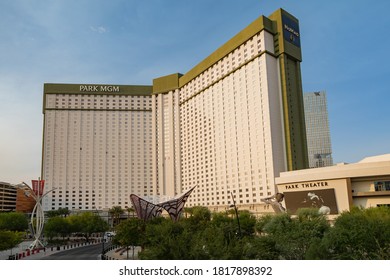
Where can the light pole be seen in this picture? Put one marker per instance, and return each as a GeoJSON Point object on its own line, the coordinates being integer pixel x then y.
{"type": "Point", "coordinates": [103, 239]}
{"type": "Point", "coordinates": [236, 211]}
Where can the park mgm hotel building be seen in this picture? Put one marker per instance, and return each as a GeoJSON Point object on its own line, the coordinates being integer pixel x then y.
{"type": "Point", "coordinates": [229, 126]}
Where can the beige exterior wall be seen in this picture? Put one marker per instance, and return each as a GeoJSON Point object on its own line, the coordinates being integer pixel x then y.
{"type": "Point", "coordinates": [167, 148]}
{"type": "Point", "coordinates": [231, 127]}
{"type": "Point", "coordinates": [353, 184]}
{"type": "Point", "coordinates": [96, 147]}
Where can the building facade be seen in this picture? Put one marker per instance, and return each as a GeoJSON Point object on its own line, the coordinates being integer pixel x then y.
{"type": "Point", "coordinates": [317, 129]}
{"type": "Point", "coordinates": [8, 194]}
{"type": "Point", "coordinates": [339, 187]}
{"type": "Point", "coordinates": [97, 146]}
{"type": "Point", "coordinates": [16, 198]}
{"type": "Point", "coordinates": [236, 118]}
{"type": "Point", "coordinates": [228, 126]}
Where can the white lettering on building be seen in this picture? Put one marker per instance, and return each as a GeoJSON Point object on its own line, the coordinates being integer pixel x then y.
{"type": "Point", "coordinates": [290, 29]}
{"type": "Point", "coordinates": [307, 185]}
{"type": "Point", "coordinates": [89, 88]}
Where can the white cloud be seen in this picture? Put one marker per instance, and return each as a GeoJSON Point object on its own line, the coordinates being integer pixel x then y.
{"type": "Point", "coordinates": [99, 29]}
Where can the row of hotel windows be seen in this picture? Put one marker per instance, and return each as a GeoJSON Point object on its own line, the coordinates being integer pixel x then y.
{"type": "Point", "coordinates": [86, 204]}
{"type": "Point", "coordinates": [102, 122]}
{"type": "Point", "coordinates": [135, 127]}
{"type": "Point", "coordinates": [63, 103]}
{"type": "Point", "coordinates": [218, 200]}
{"type": "Point", "coordinates": [113, 98]}
{"type": "Point", "coordinates": [99, 178]}
{"type": "Point", "coordinates": [207, 77]}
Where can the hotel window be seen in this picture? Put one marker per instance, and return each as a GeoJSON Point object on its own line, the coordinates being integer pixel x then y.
{"type": "Point", "coordinates": [383, 205]}
{"type": "Point", "coordinates": [382, 186]}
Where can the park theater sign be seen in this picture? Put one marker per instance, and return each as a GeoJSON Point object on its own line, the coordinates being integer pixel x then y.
{"type": "Point", "coordinates": [307, 185]}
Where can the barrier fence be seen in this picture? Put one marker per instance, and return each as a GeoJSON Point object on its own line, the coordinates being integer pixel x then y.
{"type": "Point", "coordinates": [26, 253]}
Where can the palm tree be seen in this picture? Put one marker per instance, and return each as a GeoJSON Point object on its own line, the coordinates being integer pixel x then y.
{"type": "Point", "coordinates": [188, 211]}
{"type": "Point", "coordinates": [116, 212]}
{"type": "Point", "coordinates": [64, 212]}
{"type": "Point", "coordinates": [130, 210]}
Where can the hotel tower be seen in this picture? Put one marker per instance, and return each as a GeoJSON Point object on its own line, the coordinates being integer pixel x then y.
{"type": "Point", "coordinates": [229, 126]}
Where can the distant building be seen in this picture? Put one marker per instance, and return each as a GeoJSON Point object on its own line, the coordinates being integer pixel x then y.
{"type": "Point", "coordinates": [7, 197]}
{"type": "Point", "coordinates": [15, 198]}
{"type": "Point", "coordinates": [337, 188]}
{"type": "Point", "coordinates": [25, 201]}
{"type": "Point", "coordinates": [317, 129]}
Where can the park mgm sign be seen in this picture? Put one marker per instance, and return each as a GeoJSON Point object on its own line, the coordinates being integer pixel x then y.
{"type": "Point", "coordinates": [99, 88]}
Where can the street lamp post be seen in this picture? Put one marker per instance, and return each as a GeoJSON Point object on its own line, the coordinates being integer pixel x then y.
{"type": "Point", "coordinates": [236, 211]}
{"type": "Point", "coordinates": [97, 213]}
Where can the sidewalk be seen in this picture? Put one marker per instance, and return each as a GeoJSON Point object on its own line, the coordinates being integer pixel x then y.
{"type": "Point", "coordinates": [123, 254]}
{"type": "Point", "coordinates": [4, 255]}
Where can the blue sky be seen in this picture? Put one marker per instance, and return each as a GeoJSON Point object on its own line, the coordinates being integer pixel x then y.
{"type": "Point", "coordinates": [344, 47]}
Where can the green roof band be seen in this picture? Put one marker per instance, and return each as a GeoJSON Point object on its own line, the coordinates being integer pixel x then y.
{"type": "Point", "coordinates": [244, 35]}
{"type": "Point", "coordinates": [97, 89]}
{"type": "Point", "coordinates": [166, 83]}
{"type": "Point", "coordinates": [281, 24]}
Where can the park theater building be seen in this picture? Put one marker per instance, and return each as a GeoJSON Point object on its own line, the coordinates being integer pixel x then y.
{"type": "Point", "coordinates": [362, 184]}
{"type": "Point", "coordinates": [229, 126]}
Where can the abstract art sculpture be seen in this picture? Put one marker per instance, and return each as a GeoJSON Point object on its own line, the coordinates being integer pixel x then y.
{"type": "Point", "coordinates": [276, 202]}
{"type": "Point", "coordinates": [37, 216]}
{"type": "Point", "coordinates": [147, 210]}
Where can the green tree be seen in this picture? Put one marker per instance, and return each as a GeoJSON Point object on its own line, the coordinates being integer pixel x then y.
{"type": "Point", "coordinates": [188, 211]}
{"type": "Point", "coordinates": [218, 241]}
{"type": "Point", "coordinates": [57, 226]}
{"type": "Point", "coordinates": [199, 218]}
{"type": "Point", "coordinates": [13, 221]}
{"type": "Point", "coordinates": [64, 212]}
{"type": "Point", "coordinates": [76, 223]}
{"type": "Point", "coordinates": [129, 233]}
{"type": "Point", "coordinates": [130, 212]}
{"type": "Point", "coordinates": [261, 222]}
{"type": "Point", "coordinates": [9, 239]}
{"type": "Point", "coordinates": [360, 234]}
{"type": "Point", "coordinates": [167, 240]}
{"type": "Point", "coordinates": [261, 248]}
{"type": "Point", "coordinates": [87, 223]}
{"type": "Point", "coordinates": [292, 238]}
{"type": "Point", "coordinates": [200, 236]}
{"type": "Point", "coordinates": [51, 213]}
{"type": "Point", "coordinates": [247, 223]}
{"type": "Point", "coordinates": [116, 212]}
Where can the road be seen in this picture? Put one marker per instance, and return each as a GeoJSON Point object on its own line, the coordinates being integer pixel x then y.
{"type": "Point", "coordinates": [91, 252]}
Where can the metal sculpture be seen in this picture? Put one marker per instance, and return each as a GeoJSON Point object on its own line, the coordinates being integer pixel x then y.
{"type": "Point", "coordinates": [147, 210]}
{"type": "Point", "coordinates": [144, 209]}
{"type": "Point", "coordinates": [37, 213]}
{"type": "Point", "coordinates": [276, 202]}
{"type": "Point", "coordinates": [174, 207]}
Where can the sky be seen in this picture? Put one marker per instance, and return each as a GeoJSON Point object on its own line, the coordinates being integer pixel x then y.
{"type": "Point", "coordinates": [124, 42]}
